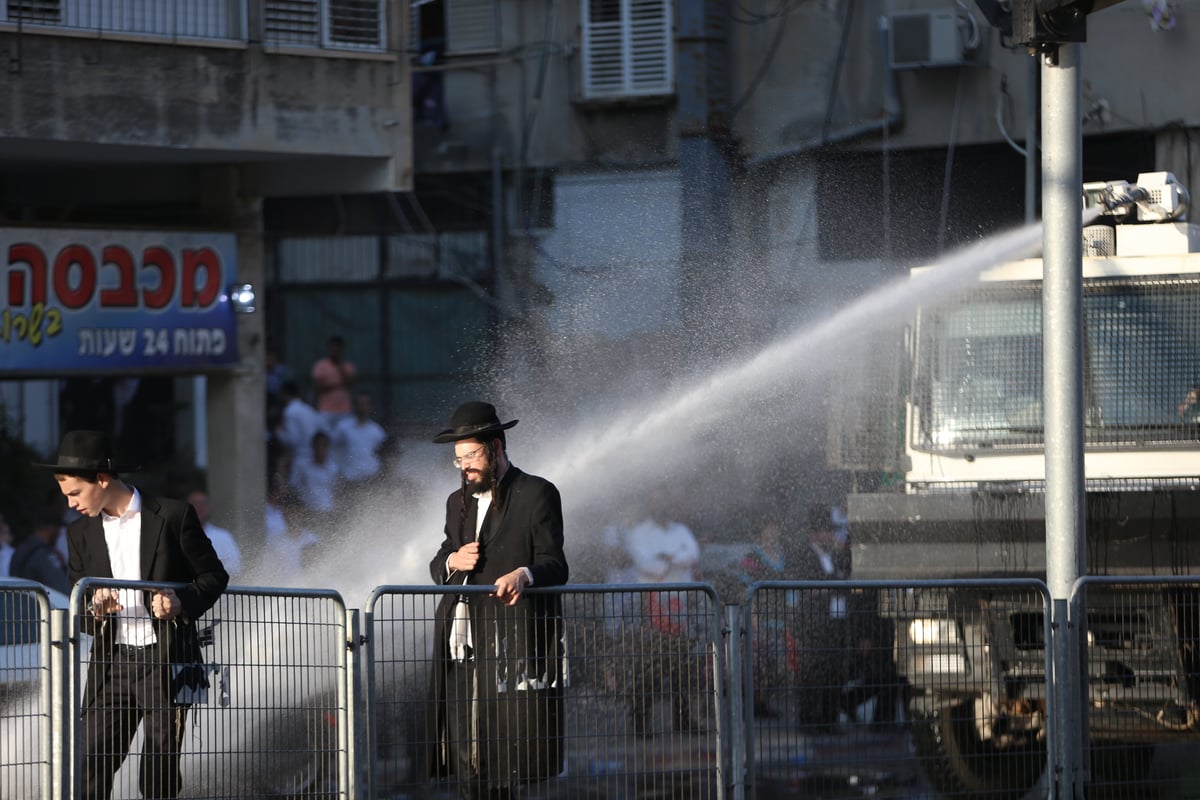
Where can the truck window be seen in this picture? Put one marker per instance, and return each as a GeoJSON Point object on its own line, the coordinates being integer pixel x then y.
{"type": "Point", "coordinates": [978, 370]}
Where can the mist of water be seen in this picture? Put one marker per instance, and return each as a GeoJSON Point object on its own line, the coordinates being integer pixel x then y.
{"type": "Point", "coordinates": [615, 453]}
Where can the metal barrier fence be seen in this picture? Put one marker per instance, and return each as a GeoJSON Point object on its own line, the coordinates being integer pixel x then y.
{"type": "Point", "coordinates": [26, 745]}
{"type": "Point", "coordinates": [826, 689]}
{"type": "Point", "coordinates": [635, 708]}
{"type": "Point", "coordinates": [896, 689]}
{"type": "Point", "coordinates": [1141, 699]}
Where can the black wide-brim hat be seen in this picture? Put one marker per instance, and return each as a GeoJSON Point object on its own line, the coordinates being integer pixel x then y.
{"type": "Point", "coordinates": [87, 451]}
{"type": "Point", "coordinates": [473, 420]}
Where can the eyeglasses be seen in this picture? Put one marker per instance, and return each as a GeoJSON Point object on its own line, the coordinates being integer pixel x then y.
{"type": "Point", "coordinates": [471, 456]}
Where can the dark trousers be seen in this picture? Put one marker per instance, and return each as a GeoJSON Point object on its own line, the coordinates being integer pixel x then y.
{"type": "Point", "coordinates": [463, 732]}
{"type": "Point", "coordinates": [134, 688]}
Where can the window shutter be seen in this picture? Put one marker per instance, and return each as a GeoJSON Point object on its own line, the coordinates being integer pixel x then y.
{"type": "Point", "coordinates": [627, 49]}
{"type": "Point", "coordinates": [341, 24]}
{"type": "Point", "coordinates": [470, 26]}
{"type": "Point", "coordinates": [35, 11]}
{"type": "Point", "coordinates": [356, 24]}
{"type": "Point", "coordinates": [292, 22]}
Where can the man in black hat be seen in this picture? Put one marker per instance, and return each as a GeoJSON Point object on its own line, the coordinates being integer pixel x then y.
{"type": "Point", "coordinates": [497, 677]}
{"type": "Point", "coordinates": [144, 663]}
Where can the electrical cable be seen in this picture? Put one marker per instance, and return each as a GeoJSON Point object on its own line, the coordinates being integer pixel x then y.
{"type": "Point", "coordinates": [785, 8]}
{"type": "Point", "coordinates": [761, 72]}
{"type": "Point", "coordinates": [831, 100]}
{"type": "Point", "coordinates": [1001, 99]}
{"type": "Point", "coordinates": [975, 40]}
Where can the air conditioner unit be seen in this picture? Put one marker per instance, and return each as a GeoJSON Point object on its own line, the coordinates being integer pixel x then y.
{"type": "Point", "coordinates": [923, 39]}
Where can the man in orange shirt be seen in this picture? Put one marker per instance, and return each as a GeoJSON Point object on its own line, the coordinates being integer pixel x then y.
{"type": "Point", "coordinates": [332, 378]}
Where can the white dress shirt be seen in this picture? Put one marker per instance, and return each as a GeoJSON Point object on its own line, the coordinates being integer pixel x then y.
{"type": "Point", "coordinates": [123, 536]}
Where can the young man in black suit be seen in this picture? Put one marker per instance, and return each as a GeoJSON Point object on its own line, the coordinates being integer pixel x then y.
{"type": "Point", "coordinates": [499, 657]}
{"type": "Point", "coordinates": [144, 663]}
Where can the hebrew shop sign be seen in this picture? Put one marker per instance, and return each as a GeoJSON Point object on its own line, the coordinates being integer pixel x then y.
{"type": "Point", "coordinates": [98, 301]}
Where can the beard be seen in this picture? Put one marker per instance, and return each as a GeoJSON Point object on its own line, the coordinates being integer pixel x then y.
{"type": "Point", "coordinates": [480, 480]}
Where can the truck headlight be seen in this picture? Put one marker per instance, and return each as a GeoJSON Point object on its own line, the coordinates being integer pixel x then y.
{"type": "Point", "coordinates": [933, 631]}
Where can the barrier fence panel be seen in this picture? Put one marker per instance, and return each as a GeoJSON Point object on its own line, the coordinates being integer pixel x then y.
{"type": "Point", "coordinates": [1142, 650]}
{"type": "Point", "coordinates": [25, 692]}
{"type": "Point", "coordinates": [617, 695]}
{"type": "Point", "coordinates": [264, 713]}
{"type": "Point", "coordinates": [844, 689]}
{"type": "Point", "coordinates": [919, 689]}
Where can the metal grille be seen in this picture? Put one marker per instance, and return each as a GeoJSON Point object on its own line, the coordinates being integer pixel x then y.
{"type": "Point", "coordinates": [824, 712]}
{"type": "Point", "coordinates": [47, 11]}
{"type": "Point", "coordinates": [356, 24]}
{"type": "Point", "coordinates": [25, 751]}
{"type": "Point", "coordinates": [1142, 646]}
{"type": "Point", "coordinates": [268, 711]}
{"type": "Point", "coordinates": [194, 19]}
{"type": "Point", "coordinates": [328, 259]}
{"type": "Point", "coordinates": [978, 381]}
{"type": "Point", "coordinates": [637, 688]}
{"type": "Point", "coordinates": [339, 24]}
{"type": "Point", "coordinates": [892, 690]}
{"type": "Point", "coordinates": [292, 22]}
{"type": "Point", "coordinates": [839, 690]}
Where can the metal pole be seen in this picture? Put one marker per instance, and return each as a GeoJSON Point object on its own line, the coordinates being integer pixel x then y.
{"type": "Point", "coordinates": [732, 785]}
{"type": "Point", "coordinates": [1062, 354]}
{"type": "Point", "coordinates": [1032, 89]}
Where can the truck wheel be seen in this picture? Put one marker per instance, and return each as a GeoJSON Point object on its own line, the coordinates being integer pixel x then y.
{"type": "Point", "coordinates": [956, 761]}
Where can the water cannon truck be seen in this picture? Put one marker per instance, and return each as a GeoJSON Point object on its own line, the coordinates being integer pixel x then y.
{"type": "Point", "coordinates": [963, 497]}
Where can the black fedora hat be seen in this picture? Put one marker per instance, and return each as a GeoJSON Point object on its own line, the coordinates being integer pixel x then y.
{"type": "Point", "coordinates": [87, 451]}
{"type": "Point", "coordinates": [472, 420]}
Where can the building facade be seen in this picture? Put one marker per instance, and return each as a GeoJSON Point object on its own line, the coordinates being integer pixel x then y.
{"type": "Point", "coordinates": [137, 135]}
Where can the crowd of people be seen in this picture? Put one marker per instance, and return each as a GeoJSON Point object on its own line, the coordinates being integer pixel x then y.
{"type": "Point", "coordinates": [322, 457]}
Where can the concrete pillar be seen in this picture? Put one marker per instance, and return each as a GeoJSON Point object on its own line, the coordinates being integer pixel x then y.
{"type": "Point", "coordinates": [235, 402]}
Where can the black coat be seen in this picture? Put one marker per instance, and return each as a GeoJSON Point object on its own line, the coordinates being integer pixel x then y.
{"type": "Point", "coordinates": [519, 650]}
{"type": "Point", "coordinates": [174, 550]}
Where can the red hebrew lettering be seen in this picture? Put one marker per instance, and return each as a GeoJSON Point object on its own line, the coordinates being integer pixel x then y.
{"type": "Point", "coordinates": [70, 256]}
{"type": "Point", "coordinates": [159, 258]}
{"type": "Point", "coordinates": [31, 254]}
{"type": "Point", "coordinates": [124, 295]}
{"type": "Point", "coordinates": [193, 261]}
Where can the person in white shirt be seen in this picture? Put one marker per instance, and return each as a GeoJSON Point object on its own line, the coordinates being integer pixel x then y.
{"type": "Point", "coordinates": [663, 551]}
{"type": "Point", "coordinates": [292, 547]}
{"type": "Point", "coordinates": [315, 481]}
{"type": "Point", "coordinates": [298, 422]}
{"type": "Point", "coordinates": [144, 668]}
{"type": "Point", "coordinates": [356, 444]}
{"type": "Point", "coordinates": [222, 540]}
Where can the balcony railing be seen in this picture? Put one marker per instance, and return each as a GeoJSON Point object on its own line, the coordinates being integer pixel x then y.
{"type": "Point", "coordinates": [353, 25]}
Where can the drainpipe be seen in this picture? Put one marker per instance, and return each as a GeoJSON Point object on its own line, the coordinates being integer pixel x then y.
{"type": "Point", "coordinates": [705, 171]}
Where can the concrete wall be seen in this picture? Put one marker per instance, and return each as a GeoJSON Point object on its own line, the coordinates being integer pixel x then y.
{"type": "Point", "coordinates": [1129, 69]}
{"type": "Point", "coordinates": [524, 101]}
{"type": "Point", "coordinates": [344, 119]}
{"type": "Point", "coordinates": [785, 72]}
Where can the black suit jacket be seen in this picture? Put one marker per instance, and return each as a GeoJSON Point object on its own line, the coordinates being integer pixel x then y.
{"type": "Point", "coordinates": [174, 550]}
{"type": "Point", "coordinates": [523, 528]}
{"type": "Point", "coordinates": [521, 723]}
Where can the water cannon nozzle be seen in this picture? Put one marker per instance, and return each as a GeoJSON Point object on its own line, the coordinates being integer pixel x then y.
{"type": "Point", "coordinates": [1155, 197]}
